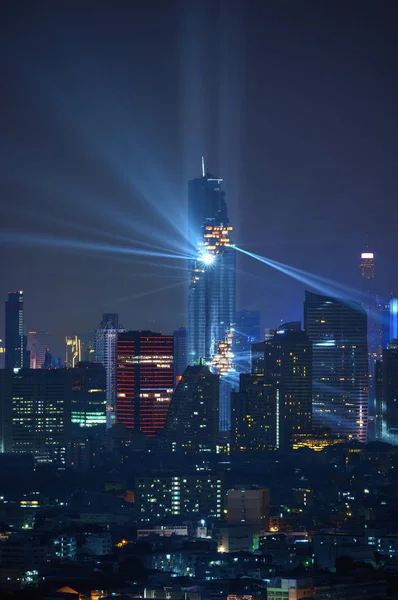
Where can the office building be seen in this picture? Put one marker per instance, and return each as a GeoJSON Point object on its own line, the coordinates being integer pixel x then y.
{"type": "Point", "coordinates": [73, 351]}
{"type": "Point", "coordinates": [15, 344]}
{"type": "Point", "coordinates": [386, 413]}
{"type": "Point", "coordinates": [105, 342]}
{"type": "Point", "coordinates": [159, 497]}
{"type": "Point", "coordinates": [212, 292]}
{"type": "Point", "coordinates": [247, 331]}
{"type": "Point", "coordinates": [192, 420]}
{"type": "Point", "coordinates": [38, 343]}
{"type": "Point", "coordinates": [253, 414]}
{"type": "Point", "coordinates": [373, 306]}
{"type": "Point", "coordinates": [338, 331]}
{"type": "Point", "coordinates": [5, 411]}
{"type": "Point", "coordinates": [41, 413]}
{"type": "Point", "coordinates": [250, 506]}
{"type": "Point", "coordinates": [144, 380]}
{"type": "Point", "coordinates": [89, 395]}
{"type": "Point", "coordinates": [393, 314]}
{"type": "Point", "coordinates": [180, 352]}
{"type": "Point", "coordinates": [286, 360]}
{"type": "Point", "coordinates": [379, 410]}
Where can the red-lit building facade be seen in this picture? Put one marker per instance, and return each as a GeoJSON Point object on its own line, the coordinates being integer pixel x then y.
{"type": "Point", "coordinates": [144, 380]}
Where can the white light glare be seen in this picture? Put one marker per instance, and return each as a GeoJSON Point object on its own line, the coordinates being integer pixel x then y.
{"type": "Point", "coordinates": [207, 258]}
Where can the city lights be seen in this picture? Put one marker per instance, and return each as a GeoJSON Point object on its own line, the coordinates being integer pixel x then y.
{"type": "Point", "coordinates": [207, 258]}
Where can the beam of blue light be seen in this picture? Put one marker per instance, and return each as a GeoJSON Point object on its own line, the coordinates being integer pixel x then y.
{"type": "Point", "coordinates": [86, 229]}
{"type": "Point", "coordinates": [153, 291]}
{"type": "Point", "coordinates": [32, 240]}
{"type": "Point", "coordinates": [321, 284]}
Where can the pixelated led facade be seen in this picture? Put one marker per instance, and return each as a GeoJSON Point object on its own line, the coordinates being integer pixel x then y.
{"type": "Point", "coordinates": [144, 380]}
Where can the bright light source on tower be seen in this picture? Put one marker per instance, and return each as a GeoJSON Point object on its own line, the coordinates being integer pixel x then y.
{"type": "Point", "coordinates": [207, 259]}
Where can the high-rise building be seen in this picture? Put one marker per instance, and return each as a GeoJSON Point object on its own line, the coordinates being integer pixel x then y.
{"type": "Point", "coordinates": [14, 332]}
{"type": "Point", "coordinates": [247, 331]}
{"type": "Point", "coordinates": [374, 310]}
{"type": "Point", "coordinates": [89, 394]}
{"type": "Point", "coordinates": [144, 380]}
{"type": "Point", "coordinates": [250, 506]}
{"type": "Point", "coordinates": [38, 343]}
{"type": "Point", "coordinates": [212, 292]}
{"type": "Point", "coordinates": [379, 410]}
{"type": "Point", "coordinates": [286, 359]}
{"type": "Point", "coordinates": [338, 331]}
{"type": "Point", "coordinates": [105, 343]}
{"type": "Point", "coordinates": [5, 411]}
{"type": "Point", "coordinates": [211, 300]}
{"type": "Point", "coordinates": [161, 496]}
{"type": "Point", "coordinates": [180, 352]}
{"type": "Point", "coordinates": [41, 413]}
{"type": "Point", "coordinates": [73, 351]}
{"type": "Point", "coordinates": [393, 313]}
{"type": "Point", "coordinates": [253, 418]}
{"type": "Point", "coordinates": [387, 396]}
{"type": "Point", "coordinates": [192, 420]}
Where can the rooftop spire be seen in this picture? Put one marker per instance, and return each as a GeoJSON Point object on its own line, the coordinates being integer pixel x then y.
{"type": "Point", "coordinates": [203, 167]}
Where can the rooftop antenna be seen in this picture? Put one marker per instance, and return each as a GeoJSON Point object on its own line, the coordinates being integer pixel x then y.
{"type": "Point", "coordinates": [203, 167]}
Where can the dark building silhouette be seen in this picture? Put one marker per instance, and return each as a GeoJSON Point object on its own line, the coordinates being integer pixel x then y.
{"type": "Point", "coordinates": [253, 414]}
{"type": "Point", "coordinates": [387, 394]}
{"type": "Point", "coordinates": [379, 416]}
{"type": "Point", "coordinates": [338, 331]}
{"type": "Point", "coordinates": [41, 413]}
{"type": "Point", "coordinates": [5, 411]}
{"type": "Point", "coordinates": [286, 359]}
{"type": "Point", "coordinates": [180, 352]}
{"type": "Point", "coordinates": [144, 380]}
{"type": "Point", "coordinates": [247, 331]}
{"type": "Point", "coordinates": [15, 344]}
{"type": "Point", "coordinates": [89, 395]}
{"type": "Point", "coordinates": [192, 420]}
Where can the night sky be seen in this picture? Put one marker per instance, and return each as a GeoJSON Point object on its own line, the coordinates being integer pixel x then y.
{"type": "Point", "coordinates": [107, 107]}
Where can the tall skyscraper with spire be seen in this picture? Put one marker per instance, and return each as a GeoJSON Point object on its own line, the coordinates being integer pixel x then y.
{"type": "Point", "coordinates": [212, 292]}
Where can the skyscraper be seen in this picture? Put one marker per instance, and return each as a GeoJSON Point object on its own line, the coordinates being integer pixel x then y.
{"type": "Point", "coordinates": [338, 331]}
{"type": "Point", "coordinates": [253, 414]}
{"type": "Point", "coordinates": [105, 342]}
{"type": "Point", "coordinates": [14, 332]}
{"type": "Point", "coordinates": [180, 352]}
{"type": "Point", "coordinates": [73, 351]}
{"type": "Point", "coordinates": [38, 343]}
{"type": "Point", "coordinates": [144, 380]}
{"type": "Point", "coordinates": [41, 413]}
{"type": "Point", "coordinates": [192, 420]}
{"type": "Point", "coordinates": [88, 394]}
{"type": "Point", "coordinates": [374, 309]}
{"type": "Point", "coordinates": [393, 314]}
{"type": "Point", "coordinates": [212, 292]}
{"type": "Point", "coordinates": [247, 331]}
{"type": "Point", "coordinates": [286, 359]}
{"type": "Point", "coordinates": [389, 393]}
